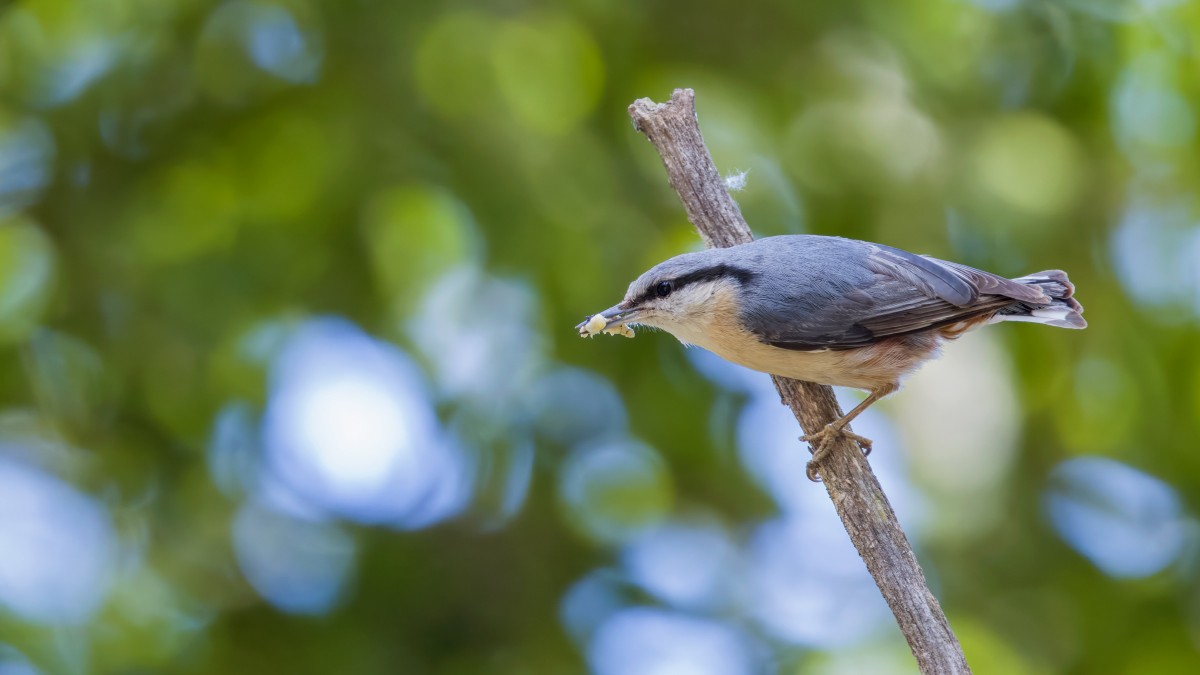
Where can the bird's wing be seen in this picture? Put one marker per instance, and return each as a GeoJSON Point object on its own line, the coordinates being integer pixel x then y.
{"type": "Point", "coordinates": [896, 292]}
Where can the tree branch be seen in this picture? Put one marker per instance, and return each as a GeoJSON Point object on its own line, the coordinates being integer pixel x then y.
{"type": "Point", "coordinates": [860, 502]}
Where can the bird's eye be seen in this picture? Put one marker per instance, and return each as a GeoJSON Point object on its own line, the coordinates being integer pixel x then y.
{"type": "Point", "coordinates": [663, 289]}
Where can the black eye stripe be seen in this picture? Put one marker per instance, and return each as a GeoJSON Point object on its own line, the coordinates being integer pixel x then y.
{"type": "Point", "coordinates": [740, 274]}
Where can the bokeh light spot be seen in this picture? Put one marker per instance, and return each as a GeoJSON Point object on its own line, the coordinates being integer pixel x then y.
{"type": "Point", "coordinates": [477, 332]}
{"type": "Point", "coordinates": [27, 271]}
{"type": "Point", "coordinates": [299, 566]}
{"type": "Point", "coordinates": [646, 641]}
{"type": "Point", "coordinates": [452, 63]}
{"type": "Point", "coordinates": [688, 565]}
{"type": "Point", "coordinates": [1149, 113]}
{"type": "Point", "coordinates": [840, 144]}
{"type": "Point", "coordinates": [56, 50]}
{"type": "Point", "coordinates": [73, 385]}
{"type": "Point", "coordinates": [186, 210]}
{"type": "Point", "coordinates": [286, 162]}
{"type": "Point", "coordinates": [26, 160]}
{"type": "Point", "coordinates": [277, 45]}
{"type": "Point", "coordinates": [867, 130]}
{"type": "Point", "coordinates": [1129, 524]}
{"type": "Point", "coordinates": [616, 490]}
{"type": "Point", "coordinates": [58, 548]}
{"type": "Point", "coordinates": [1028, 163]}
{"type": "Point", "coordinates": [1154, 251]}
{"type": "Point", "coordinates": [590, 601]}
{"type": "Point", "coordinates": [572, 405]}
{"type": "Point", "coordinates": [13, 662]}
{"type": "Point", "coordinates": [550, 72]}
{"type": "Point", "coordinates": [1105, 410]}
{"type": "Point", "coordinates": [234, 451]}
{"type": "Point", "coordinates": [251, 47]}
{"type": "Point", "coordinates": [348, 426]}
{"type": "Point", "coordinates": [959, 414]}
{"type": "Point", "coordinates": [414, 234]}
{"type": "Point", "coordinates": [809, 586]}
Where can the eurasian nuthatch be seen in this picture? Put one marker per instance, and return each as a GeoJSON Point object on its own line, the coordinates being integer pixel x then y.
{"type": "Point", "coordinates": [830, 310]}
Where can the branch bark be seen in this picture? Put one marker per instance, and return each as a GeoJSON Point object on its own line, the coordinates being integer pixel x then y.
{"type": "Point", "coordinates": [860, 502]}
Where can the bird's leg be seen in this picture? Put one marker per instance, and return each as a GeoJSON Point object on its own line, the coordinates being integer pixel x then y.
{"type": "Point", "coordinates": [822, 441]}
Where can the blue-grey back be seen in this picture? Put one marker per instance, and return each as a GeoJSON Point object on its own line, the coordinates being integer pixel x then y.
{"type": "Point", "coordinates": [816, 292]}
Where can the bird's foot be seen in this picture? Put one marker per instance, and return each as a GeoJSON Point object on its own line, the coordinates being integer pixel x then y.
{"type": "Point", "coordinates": [821, 443]}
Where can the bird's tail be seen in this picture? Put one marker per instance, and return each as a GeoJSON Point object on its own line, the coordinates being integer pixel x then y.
{"type": "Point", "coordinates": [1062, 311]}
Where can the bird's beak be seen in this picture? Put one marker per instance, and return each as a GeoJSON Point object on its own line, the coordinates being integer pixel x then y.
{"type": "Point", "coordinates": [615, 315]}
{"type": "Point", "coordinates": [619, 314]}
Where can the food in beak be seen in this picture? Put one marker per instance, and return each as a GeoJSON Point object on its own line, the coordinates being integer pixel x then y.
{"type": "Point", "coordinates": [598, 324]}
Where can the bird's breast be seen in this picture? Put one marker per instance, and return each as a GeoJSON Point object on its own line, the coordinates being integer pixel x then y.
{"type": "Point", "coordinates": [869, 367]}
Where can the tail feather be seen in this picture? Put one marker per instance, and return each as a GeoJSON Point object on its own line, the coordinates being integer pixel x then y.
{"type": "Point", "coordinates": [1062, 310]}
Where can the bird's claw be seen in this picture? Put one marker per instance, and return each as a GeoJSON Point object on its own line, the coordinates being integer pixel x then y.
{"type": "Point", "coordinates": [821, 443]}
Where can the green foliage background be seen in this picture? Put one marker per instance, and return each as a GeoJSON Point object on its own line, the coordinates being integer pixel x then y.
{"type": "Point", "coordinates": [186, 183]}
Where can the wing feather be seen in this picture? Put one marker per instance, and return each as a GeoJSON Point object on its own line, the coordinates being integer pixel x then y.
{"type": "Point", "coordinates": [897, 293]}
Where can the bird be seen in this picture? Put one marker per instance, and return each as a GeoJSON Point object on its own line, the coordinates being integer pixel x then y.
{"type": "Point", "coordinates": [830, 310]}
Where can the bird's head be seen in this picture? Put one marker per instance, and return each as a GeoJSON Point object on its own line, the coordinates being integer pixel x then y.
{"type": "Point", "coordinates": [682, 294]}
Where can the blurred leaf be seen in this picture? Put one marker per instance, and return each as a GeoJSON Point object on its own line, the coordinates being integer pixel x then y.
{"type": "Point", "coordinates": [415, 234]}
{"type": "Point", "coordinates": [27, 271]}
{"type": "Point", "coordinates": [549, 71]}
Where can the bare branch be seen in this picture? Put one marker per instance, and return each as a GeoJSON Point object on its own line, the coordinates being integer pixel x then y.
{"type": "Point", "coordinates": [864, 509]}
